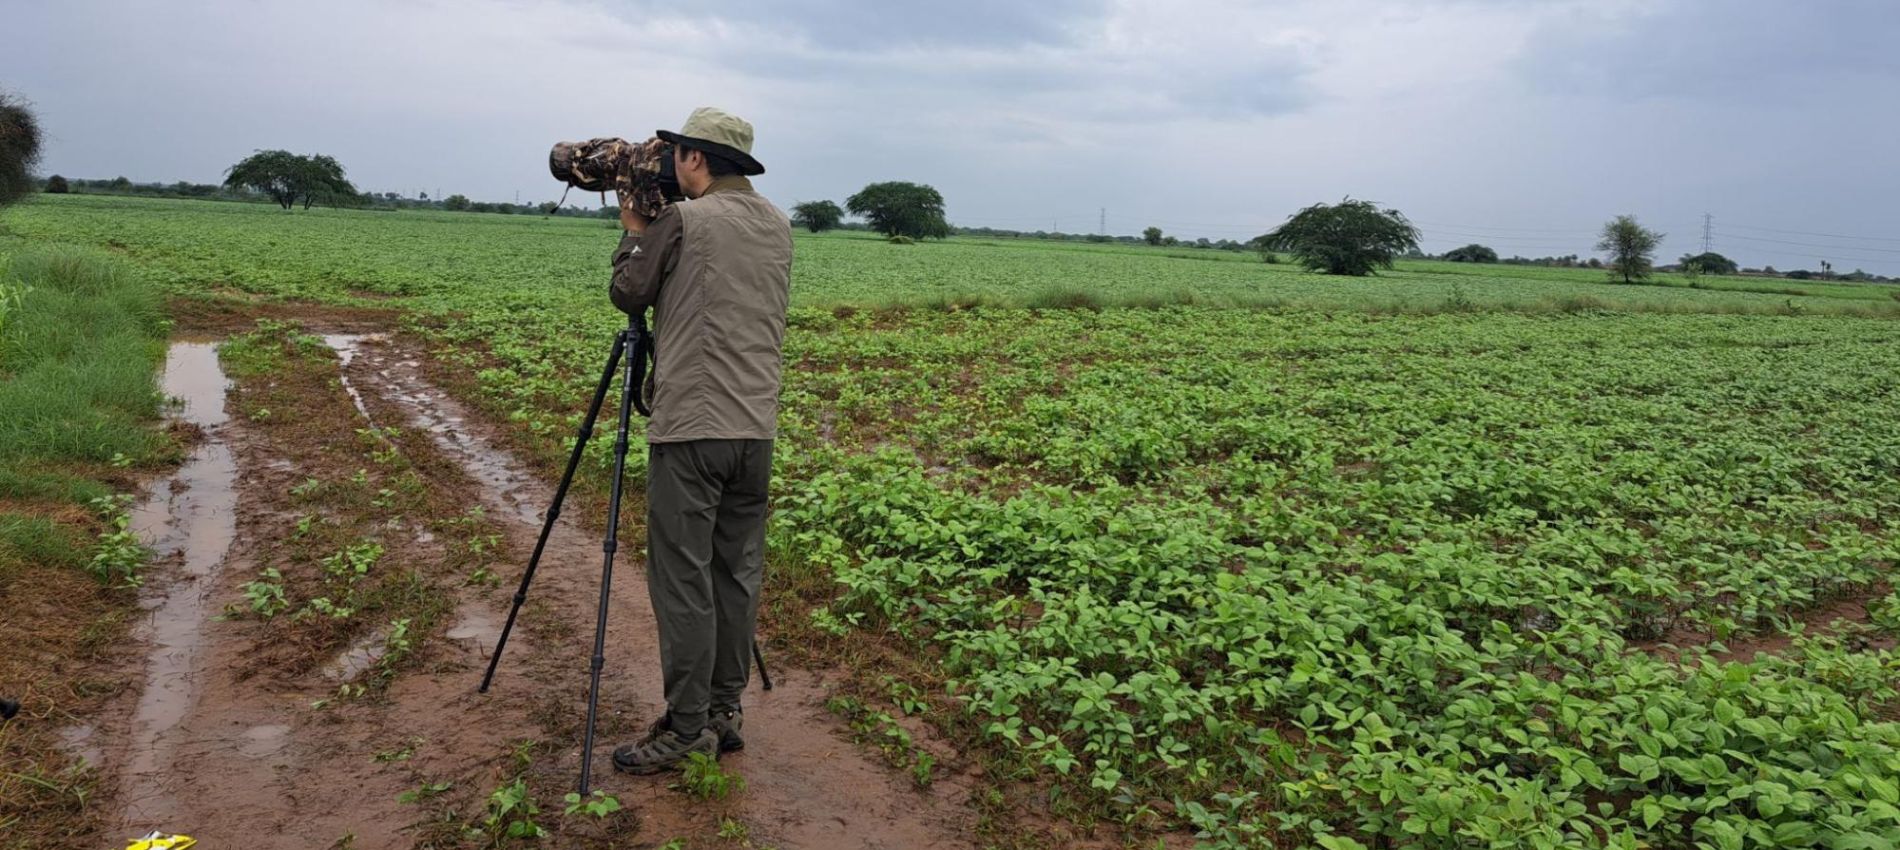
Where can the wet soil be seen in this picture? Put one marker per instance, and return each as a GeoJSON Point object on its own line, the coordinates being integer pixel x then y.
{"type": "Point", "coordinates": [806, 784]}
{"type": "Point", "coordinates": [237, 752]}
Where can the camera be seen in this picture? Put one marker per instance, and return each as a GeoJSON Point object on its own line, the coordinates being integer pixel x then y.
{"type": "Point", "coordinates": [642, 171]}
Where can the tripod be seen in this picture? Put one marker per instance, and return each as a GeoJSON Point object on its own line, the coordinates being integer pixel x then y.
{"type": "Point", "coordinates": [632, 347]}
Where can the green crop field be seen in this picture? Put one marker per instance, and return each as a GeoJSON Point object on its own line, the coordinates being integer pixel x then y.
{"type": "Point", "coordinates": [1452, 556]}
{"type": "Point", "coordinates": [447, 260]}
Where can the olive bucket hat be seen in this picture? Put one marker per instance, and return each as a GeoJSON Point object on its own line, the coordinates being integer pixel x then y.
{"type": "Point", "coordinates": [718, 132]}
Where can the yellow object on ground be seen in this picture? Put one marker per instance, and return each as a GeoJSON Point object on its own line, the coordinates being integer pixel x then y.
{"type": "Point", "coordinates": [155, 841]}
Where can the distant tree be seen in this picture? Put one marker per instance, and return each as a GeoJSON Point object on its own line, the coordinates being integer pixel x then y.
{"type": "Point", "coordinates": [548, 207]}
{"type": "Point", "coordinates": [1151, 236]}
{"type": "Point", "coordinates": [1169, 241]}
{"type": "Point", "coordinates": [1630, 247]}
{"type": "Point", "coordinates": [288, 178]}
{"type": "Point", "coordinates": [1709, 263]}
{"type": "Point", "coordinates": [57, 185]}
{"type": "Point", "coordinates": [1473, 253]}
{"type": "Point", "coordinates": [323, 181]}
{"type": "Point", "coordinates": [1347, 238]}
{"type": "Point", "coordinates": [817, 216]}
{"type": "Point", "coordinates": [119, 184]}
{"type": "Point", "coordinates": [481, 207]}
{"type": "Point", "coordinates": [901, 209]}
{"type": "Point", "coordinates": [19, 149]}
{"type": "Point", "coordinates": [1799, 274]}
{"type": "Point", "coordinates": [274, 173]}
{"type": "Point", "coordinates": [456, 203]}
{"type": "Point", "coordinates": [1769, 270]}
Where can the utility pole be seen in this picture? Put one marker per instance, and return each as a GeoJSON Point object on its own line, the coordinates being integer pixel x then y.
{"type": "Point", "coordinates": [1708, 232]}
{"type": "Point", "coordinates": [1103, 229]}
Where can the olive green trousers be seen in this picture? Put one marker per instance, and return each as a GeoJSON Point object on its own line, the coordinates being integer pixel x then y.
{"type": "Point", "coordinates": [706, 502]}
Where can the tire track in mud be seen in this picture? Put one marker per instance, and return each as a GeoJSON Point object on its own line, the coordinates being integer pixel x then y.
{"type": "Point", "coordinates": [806, 785]}
{"type": "Point", "coordinates": [239, 757]}
{"type": "Point", "coordinates": [236, 757]}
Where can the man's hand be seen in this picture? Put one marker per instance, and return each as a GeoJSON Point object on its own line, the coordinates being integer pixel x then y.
{"type": "Point", "coordinates": [630, 219]}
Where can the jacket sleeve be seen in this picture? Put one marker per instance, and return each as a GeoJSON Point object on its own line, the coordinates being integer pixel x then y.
{"type": "Point", "coordinates": [643, 261]}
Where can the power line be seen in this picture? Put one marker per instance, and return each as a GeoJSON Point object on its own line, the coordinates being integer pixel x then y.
{"type": "Point", "coordinates": [1816, 245]}
{"type": "Point", "coordinates": [1823, 235]}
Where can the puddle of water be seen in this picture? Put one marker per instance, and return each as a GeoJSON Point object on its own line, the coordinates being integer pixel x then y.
{"type": "Point", "coordinates": [78, 741]}
{"type": "Point", "coordinates": [362, 655]}
{"type": "Point", "coordinates": [347, 346]}
{"type": "Point", "coordinates": [194, 514]}
{"type": "Point", "coordinates": [261, 741]}
{"type": "Point", "coordinates": [475, 625]}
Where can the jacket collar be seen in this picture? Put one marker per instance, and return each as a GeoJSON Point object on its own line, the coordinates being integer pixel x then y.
{"type": "Point", "coordinates": [728, 183]}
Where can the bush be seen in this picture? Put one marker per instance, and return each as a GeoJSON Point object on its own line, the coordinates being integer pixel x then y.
{"type": "Point", "coordinates": [19, 149]}
{"type": "Point", "coordinates": [1473, 253]}
{"type": "Point", "coordinates": [56, 185]}
{"type": "Point", "coordinates": [1347, 238]}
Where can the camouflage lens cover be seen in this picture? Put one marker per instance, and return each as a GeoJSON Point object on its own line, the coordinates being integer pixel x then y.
{"type": "Point", "coordinates": [642, 171]}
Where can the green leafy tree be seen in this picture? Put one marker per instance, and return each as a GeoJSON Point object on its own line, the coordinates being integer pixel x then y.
{"type": "Point", "coordinates": [1473, 253]}
{"type": "Point", "coordinates": [1630, 246]}
{"type": "Point", "coordinates": [57, 185]}
{"type": "Point", "coordinates": [323, 181]}
{"type": "Point", "coordinates": [19, 149]}
{"type": "Point", "coordinates": [1709, 262]}
{"type": "Point", "coordinates": [817, 216]}
{"type": "Point", "coordinates": [1151, 236]}
{"type": "Point", "coordinates": [456, 203]}
{"type": "Point", "coordinates": [1347, 238]}
{"type": "Point", "coordinates": [901, 209]}
{"type": "Point", "coordinates": [288, 178]}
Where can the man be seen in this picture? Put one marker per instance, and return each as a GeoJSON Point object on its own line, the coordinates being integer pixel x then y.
{"type": "Point", "coordinates": [716, 269]}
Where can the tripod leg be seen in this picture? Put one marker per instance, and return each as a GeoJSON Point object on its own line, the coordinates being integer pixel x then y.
{"type": "Point", "coordinates": [554, 510]}
{"type": "Point", "coordinates": [765, 679]}
{"type": "Point", "coordinates": [608, 545]}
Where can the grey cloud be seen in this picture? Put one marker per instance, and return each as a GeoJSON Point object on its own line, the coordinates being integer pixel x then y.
{"type": "Point", "coordinates": [844, 25]}
{"type": "Point", "coordinates": [1724, 50]}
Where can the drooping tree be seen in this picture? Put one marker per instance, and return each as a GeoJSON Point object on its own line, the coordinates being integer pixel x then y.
{"type": "Point", "coordinates": [817, 216]}
{"type": "Point", "coordinates": [288, 178]}
{"type": "Point", "coordinates": [1347, 238]}
{"type": "Point", "coordinates": [19, 149]}
{"type": "Point", "coordinates": [901, 209]}
{"type": "Point", "coordinates": [1630, 247]}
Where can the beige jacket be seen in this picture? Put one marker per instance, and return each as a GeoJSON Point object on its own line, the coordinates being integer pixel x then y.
{"type": "Point", "coordinates": [717, 271]}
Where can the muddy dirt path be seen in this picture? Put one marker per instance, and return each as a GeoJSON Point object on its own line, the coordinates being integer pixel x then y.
{"type": "Point", "coordinates": [806, 785]}
{"type": "Point", "coordinates": [236, 757]}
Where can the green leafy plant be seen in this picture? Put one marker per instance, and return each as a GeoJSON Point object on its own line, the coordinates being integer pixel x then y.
{"type": "Point", "coordinates": [701, 778]}
{"type": "Point", "coordinates": [599, 804]}
{"type": "Point", "coordinates": [510, 813]}
{"type": "Point", "coordinates": [266, 594]}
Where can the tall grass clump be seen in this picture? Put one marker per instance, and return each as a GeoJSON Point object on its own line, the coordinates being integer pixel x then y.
{"type": "Point", "coordinates": [81, 336]}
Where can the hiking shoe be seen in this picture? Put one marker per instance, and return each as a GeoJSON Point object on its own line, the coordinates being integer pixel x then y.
{"type": "Point", "coordinates": [664, 749]}
{"type": "Point", "coordinates": [728, 724]}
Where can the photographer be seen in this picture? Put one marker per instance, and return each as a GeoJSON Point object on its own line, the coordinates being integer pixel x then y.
{"type": "Point", "coordinates": [716, 269]}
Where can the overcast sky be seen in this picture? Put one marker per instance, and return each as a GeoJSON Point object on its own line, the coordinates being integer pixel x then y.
{"type": "Point", "coordinates": [1522, 125]}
